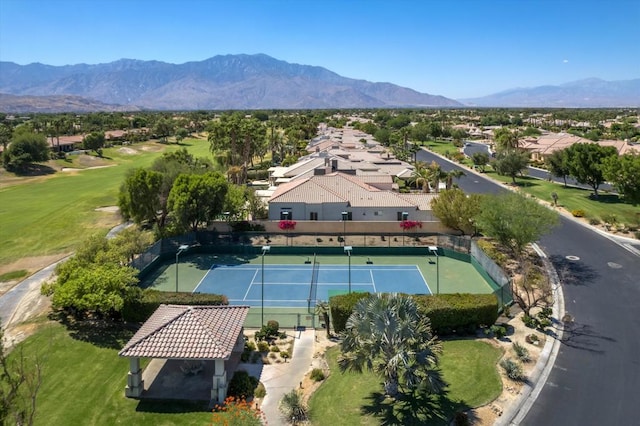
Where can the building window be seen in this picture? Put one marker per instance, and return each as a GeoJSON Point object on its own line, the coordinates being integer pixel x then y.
{"type": "Point", "coordinates": [313, 216]}
{"type": "Point", "coordinates": [286, 215]}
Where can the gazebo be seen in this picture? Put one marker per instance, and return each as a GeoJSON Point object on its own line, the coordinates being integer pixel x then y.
{"type": "Point", "coordinates": [190, 337]}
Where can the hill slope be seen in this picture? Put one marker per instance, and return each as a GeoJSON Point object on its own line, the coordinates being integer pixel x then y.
{"type": "Point", "coordinates": [220, 82]}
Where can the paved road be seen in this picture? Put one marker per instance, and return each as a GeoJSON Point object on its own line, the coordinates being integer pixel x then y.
{"type": "Point", "coordinates": [595, 377]}
{"type": "Point", "coordinates": [472, 147]}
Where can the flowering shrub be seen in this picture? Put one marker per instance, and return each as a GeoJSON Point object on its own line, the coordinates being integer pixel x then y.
{"type": "Point", "coordinates": [287, 224]}
{"type": "Point", "coordinates": [410, 224]}
{"type": "Point", "coordinates": [236, 411]}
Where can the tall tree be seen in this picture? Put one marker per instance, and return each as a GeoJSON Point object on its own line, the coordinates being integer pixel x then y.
{"type": "Point", "coordinates": [386, 334]}
{"type": "Point", "coordinates": [5, 136]}
{"type": "Point", "coordinates": [163, 129]}
{"type": "Point", "coordinates": [558, 164]}
{"type": "Point", "coordinates": [585, 163]}
{"type": "Point", "coordinates": [506, 139]}
{"type": "Point", "coordinates": [514, 220]}
{"type": "Point", "coordinates": [624, 173]}
{"type": "Point", "coordinates": [451, 175]}
{"type": "Point", "coordinates": [139, 197]}
{"type": "Point", "coordinates": [511, 163]}
{"type": "Point", "coordinates": [196, 200]}
{"type": "Point", "coordinates": [95, 142]}
{"type": "Point", "coordinates": [480, 159]}
{"type": "Point", "coordinates": [26, 148]}
{"type": "Point", "coordinates": [457, 210]}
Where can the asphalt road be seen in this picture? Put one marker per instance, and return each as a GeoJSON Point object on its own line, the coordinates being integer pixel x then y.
{"type": "Point", "coordinates": [595, 378]}
{"type": "Point", "coordinates": [472, 147]}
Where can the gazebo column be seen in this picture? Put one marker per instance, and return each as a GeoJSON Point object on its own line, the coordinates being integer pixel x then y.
{"type": "Point", "coordinates": [135, 384]}
{"type": "Point", "coordinates": [219, 386]}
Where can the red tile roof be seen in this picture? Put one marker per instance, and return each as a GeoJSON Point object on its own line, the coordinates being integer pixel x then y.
{"type": "Point", "coordinates": [188, 332]}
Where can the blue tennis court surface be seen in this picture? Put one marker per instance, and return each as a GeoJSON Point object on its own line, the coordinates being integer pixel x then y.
{"type": "Point", "coordinates": [290, 285]}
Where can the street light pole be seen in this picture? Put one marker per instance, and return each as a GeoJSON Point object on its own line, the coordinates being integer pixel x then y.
{"type": "Point", "coordinates": [347, 249]}
{"type": "Point", "coordinates": [405, 215]}
{"type": "Point", "coordinates": [434, 250]}
{"type": "Point", "coordinates": [183, 247]}
{"type": "Point", "coordinates": [265, 250]}
{"type": "Point", "coordinates": [345, 215]}
{"type": "Point", "coordinates": [286, 217]}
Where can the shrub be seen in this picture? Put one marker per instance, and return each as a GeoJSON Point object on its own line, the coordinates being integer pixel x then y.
{"type": "Point", "coordinates": [458, 312]}
{"type": "Point", "coordinates": [577, 213]}
{"type": "Point", "coordinates": [141, 310]}
{"type": "Point", "coordinates": [342, 308]}
{"type": "Point", "coordinates": [529, 321]}
{"type": "Point", "coordinates": [532, 338]}
{"type": "Point", "coordinates": [260, 391]}
{"type": "Point", "coordinates": [521, 352]}
{"type": "Point", "coordinates": [246, 226]}
{"type": "Point", "coordinates": [594, 221]}
{"type": "Point", "coordinates": [272, 328]}
{"type": "Point", "coordinates": [317, 375]}
{"type": "Point", "coordinates": [637, 235]}
{"type": "Point", "coordinates": [610, 218]}
{"type": "Point", "coordinates": [512, 369]}
{"type": "Point", "coordinates": [274, 348]}
{"type": "Point", "coordinates": [263, 346]}
{"type": "Point", "coordinates": [285, 355]}
{"type": "Point", "coordinates": [498, 331]}
{"type": "Point", "coordinates": [282, 336]}
{"type": "Point", "coordinates": [249, 345]}
{"type": "Point", "coordinates": [545, 313]}
{"type": "Point", "coordinates": [242, 385]}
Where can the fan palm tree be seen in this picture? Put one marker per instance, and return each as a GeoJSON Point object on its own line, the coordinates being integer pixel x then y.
{"type": "Point", "coordinates": [421, 176]}
{"type": "Point", "coordinates": [387, 335]}
{"type": "Point", "coordinates": [436, 175]}
{"type": "Point", "coordinates": [452, 174]}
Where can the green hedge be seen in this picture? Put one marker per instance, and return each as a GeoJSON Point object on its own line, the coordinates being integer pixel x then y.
{"type": "Point", "coordinates": [342, 307]}
{"type": "Point", "coordinates": [141, 310]}
{"type": "Point", "coordinates": [458, 313]}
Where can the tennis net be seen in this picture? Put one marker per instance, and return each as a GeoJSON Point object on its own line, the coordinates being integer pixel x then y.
{"type": "Point", "coordinates": [313, 289]}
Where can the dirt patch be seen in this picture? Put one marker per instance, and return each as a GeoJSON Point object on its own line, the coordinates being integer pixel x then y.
{"type": "Point", "coordinates": [108, 209]}
{"type": "Point", "coordinates": [30, 264]}
{"type": "Point", "coordinates": [128, 151]}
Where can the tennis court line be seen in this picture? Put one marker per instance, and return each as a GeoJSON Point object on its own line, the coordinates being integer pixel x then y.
{"type": "Point", "coordinates": [424, 279]}
{"type": "Point", "coordinates": [373, 282]}
{"type": "Point", "coordinates": [203, 278]}
{"type": "Point", "coordinates": [250, 284]}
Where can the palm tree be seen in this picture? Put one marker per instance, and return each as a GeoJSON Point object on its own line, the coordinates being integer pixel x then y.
{"type": "Point", "coordinates": [293, 408]}
{"type": "Point", "coordinates": [436, 174]}
{"type": "Point", "coordinates": [421, 176]}
{"type": "Point", "coordinates": [452, 174]}
{"type": "Point", "coordinates": [387, 335]}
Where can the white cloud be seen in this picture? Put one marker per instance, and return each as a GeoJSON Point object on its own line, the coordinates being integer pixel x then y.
{"type": "Point", "coordinates": [565, 61]}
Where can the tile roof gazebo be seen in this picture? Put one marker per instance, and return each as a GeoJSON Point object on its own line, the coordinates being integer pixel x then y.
{"type": "Point", "coordinates": [188, 333]}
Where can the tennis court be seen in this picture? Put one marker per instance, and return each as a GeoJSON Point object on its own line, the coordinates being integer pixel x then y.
{"type": "Point", "coordinates": [300, 286]}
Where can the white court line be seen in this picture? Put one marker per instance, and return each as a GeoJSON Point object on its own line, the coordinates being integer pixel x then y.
{"type": "Point", "coordinates": [423, 279]}
{"type": "Point", "coordinates": [373, 281]}
{"type": "Point", "coordinates": [202, 279]}
{"type": "Point", "coordinates": [250, 285]}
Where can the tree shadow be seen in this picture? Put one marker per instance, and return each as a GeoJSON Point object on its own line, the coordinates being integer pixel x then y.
{"type": "Point", "coordinates": [414, 408]}
{"type": "Point", "coordinates": [101, 333]}
{"type": "Point", "coordinates": [583, 337]}
{"type": "Point", "coordinates": [34, 170]}
{"type": "Point", "coordinates": [572, 272]}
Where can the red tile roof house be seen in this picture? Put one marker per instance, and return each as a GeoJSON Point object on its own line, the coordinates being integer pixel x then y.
{"type": "Point", "coordinates": [192, 348]}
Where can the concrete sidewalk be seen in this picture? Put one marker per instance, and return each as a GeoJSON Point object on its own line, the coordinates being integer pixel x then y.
{"type": "Point", "coordinates": [278, 379]}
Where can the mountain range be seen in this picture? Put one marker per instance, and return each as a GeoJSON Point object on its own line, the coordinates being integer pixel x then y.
{"type": "Point", "coordinates": [255, 82]}
{"type": "Point", "coordinates": [218, 83]}
{"type": "Point", "coordinates": [588, 93]}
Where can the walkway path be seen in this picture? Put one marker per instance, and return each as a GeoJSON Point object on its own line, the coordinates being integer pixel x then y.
{"type": "Point", "coordinates": [278, 379]}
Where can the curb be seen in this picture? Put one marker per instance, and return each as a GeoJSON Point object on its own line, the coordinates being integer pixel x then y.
{"type": "Point", "coordinates": [538, 378]}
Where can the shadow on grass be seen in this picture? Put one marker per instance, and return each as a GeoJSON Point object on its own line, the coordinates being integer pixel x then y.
{"type": "Point", "coordinates": [412, 409]}
{"type": "Point", "coordinates": [172, 406]}
{"type": "Point", "coordinates": [34, 170]}
{"type": "Point", "coordinates": [101, 333]}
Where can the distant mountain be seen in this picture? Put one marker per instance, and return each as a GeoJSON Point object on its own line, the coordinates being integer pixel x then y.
{"type": "Point", "coordinates": [589, 93]}
{"type": "Point", "coordinates": [50, 104]}
{"type": "Point", "coordinates": [222, 82]}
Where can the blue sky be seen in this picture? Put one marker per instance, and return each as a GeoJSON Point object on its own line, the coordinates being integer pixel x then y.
{"type": "Point", "coordinates": [454, 48]}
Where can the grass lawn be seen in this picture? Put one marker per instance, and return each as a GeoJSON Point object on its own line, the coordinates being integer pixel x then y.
{"type": "Point", "coordinates": [576, 199]}
{"type": "Point", "coordinates": [469, 368]}
{"type": "Point", "coordinates": [84, 379]}
{"type": "Point", "coordinates": [53, 213]}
